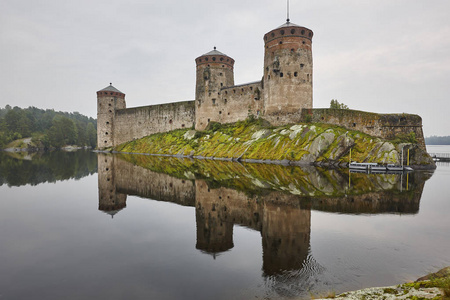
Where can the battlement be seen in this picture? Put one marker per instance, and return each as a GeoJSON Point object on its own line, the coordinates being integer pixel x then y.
{"type": "Point", "coordinates": [288, 30]}
{"type": "Point", "coordinates": [215, 59]}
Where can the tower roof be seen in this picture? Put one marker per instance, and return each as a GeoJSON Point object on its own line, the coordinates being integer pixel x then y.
{"type": "Point", "coordinates": [288, 24]}
{"type": "Point", "coordinates": [214, 52]}
{"type": "Point", "coordinates": [110, 88]}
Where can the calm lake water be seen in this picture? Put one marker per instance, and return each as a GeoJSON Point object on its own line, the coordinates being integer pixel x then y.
{"type": "Point", "coordinates": [93, 226]}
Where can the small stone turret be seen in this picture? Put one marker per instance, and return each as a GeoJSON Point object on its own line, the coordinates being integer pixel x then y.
{"type": "Point", "coordinates": [214, 71]}
{"type": "Point", "coordinates": [109, 100]}
{"type": "Point", "coordinates": [288, 69]}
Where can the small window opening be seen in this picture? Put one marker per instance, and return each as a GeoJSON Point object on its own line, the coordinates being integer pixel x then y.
{"type": "Point", "coordinates": [209, 120]}
{"type": "Point", "coordinates": [107, 123]}
{"type": "Point", "coordinates": [302, 65]}
{"type": "Point", "coordinates": [213, 101]}
{"type": "Point", "coordinates": [170, 121]}
{"type": "Point", "coordinates": [281, 42]}
{"type": "Point", "coordinates": [182, 125]}
{"type": "Point", "coordinates": [221, 74]}
{"type": "Point", "coordinates": [281, 74]}
{"type": "Point", "coordinates": [354, 124]}
{"type": "Point", "coordinates": [295, 74]}
{"type": "Point", "coordinates": [220, 112]}
{"type": "Point", "coordinates": [292, 31]}
{"type": "Point", "coordinates": [221, 84]}
{"type": "Point", "coordinates": [106, 133]}
{"type": "Point", "coordinates": [214, 59]}
{"type": "Point", "coordinates": [225, 101]}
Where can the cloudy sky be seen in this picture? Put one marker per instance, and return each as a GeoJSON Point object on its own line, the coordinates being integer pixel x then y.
{"type": "Point", "coordinates": [381, 56]}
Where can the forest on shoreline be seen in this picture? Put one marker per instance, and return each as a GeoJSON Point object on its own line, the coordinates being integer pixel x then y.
{"type": "Point", "coordinates": [437, 140]}
{"type": "Point", "coordinates": [46, 128]}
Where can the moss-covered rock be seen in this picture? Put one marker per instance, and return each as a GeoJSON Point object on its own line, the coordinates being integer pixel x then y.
{"type": "Point", "coordinates": [255, 140]}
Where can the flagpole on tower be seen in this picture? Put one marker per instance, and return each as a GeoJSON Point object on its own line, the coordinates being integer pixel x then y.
{"type": "Point", "coordinates": [287, 11]}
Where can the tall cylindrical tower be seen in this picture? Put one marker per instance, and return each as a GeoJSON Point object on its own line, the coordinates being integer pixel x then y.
{"type": "Point", "coordinates": [108, 101]}
{"type": "Point", "coordinates": [214, 71]}
{"type": "Point", "coordinates": [288, 69]}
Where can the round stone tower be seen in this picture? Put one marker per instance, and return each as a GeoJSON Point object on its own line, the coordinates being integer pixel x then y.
{"type": "Point", "coordinates": [108, 101]}
{"type": "Point", "coordinates": [288, 69]}
{"type": "Point", "coordinates": [214, 72]}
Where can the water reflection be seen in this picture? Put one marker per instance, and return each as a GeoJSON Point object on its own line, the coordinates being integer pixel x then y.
{"type": "Point", "coordinates": [274, 200]}
{"type": "Point", "coordinates": [18, 169]}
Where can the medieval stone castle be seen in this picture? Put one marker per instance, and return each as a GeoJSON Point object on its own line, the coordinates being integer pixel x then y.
{"type": "Point", "coordinates": [283, 96]}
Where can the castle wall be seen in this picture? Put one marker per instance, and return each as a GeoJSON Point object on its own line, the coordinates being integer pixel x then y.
{"type": "Point", "coordinates": [387, 126]}
{"type": "Point", "coordinates": [234, 103]}
{"type": "Point", "coordinates": [138, 122]}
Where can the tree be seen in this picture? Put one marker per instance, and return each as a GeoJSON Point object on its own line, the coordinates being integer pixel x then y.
{"type": "Point", "coordinates": [91, 135]}
{"type": "Point", "coordinates": [63, 132]}
{"type": "Point", "coordinates": [334, 104]}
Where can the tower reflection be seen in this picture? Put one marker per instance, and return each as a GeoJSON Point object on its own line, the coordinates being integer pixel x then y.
{"type": "Point", "coordinates": [274, 200]}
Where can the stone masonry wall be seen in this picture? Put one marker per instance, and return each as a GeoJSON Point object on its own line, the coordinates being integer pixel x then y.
{"type": "Point", "coordinates": [386, 126]}
{"type": "Point", "coordinates": [138, 122]}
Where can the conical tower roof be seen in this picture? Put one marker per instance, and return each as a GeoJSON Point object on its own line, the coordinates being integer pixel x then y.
{"type": "Point", "coordinates": [215, 52]}
{"type": "Point", "coordinates": [110, 88]}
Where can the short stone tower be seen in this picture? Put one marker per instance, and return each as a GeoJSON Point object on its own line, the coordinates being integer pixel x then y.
{"type": "Point", "coordinates": [288, 68]}
{"type": "Point", "coordinates": [108, 101]}
{"type": "Point", "coordinates": [214, 71]}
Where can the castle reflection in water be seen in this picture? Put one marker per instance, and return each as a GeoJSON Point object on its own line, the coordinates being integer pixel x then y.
{"type": "Point", "coordinates": [274, 200]}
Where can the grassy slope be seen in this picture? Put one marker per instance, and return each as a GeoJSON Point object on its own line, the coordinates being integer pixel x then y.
{"type": "Point", "coordinates": [253, 139]}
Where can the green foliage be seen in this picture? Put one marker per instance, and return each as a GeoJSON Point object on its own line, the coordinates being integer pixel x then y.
{"type": "Point", "coordinates": [334, 104]}
{"type": "Point", "coordinates": [50, 128]}
{"type": "Point", "coordinates": [405, 138]}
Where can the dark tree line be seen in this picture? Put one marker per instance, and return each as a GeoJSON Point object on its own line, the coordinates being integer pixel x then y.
{"type": "Point", "coordinates": [48, 128]}
{"type": "Point", "coordinates": [437, 140]}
